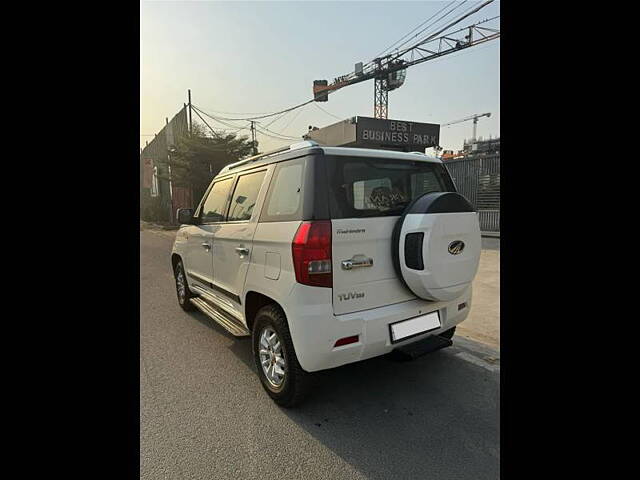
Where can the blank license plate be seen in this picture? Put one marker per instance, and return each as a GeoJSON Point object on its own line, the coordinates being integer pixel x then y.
{"type": "Point", "coordinates": [415, 326]}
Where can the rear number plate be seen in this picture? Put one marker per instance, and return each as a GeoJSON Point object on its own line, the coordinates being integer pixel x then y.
{"type": "Point", "coordinates": [414, 326]}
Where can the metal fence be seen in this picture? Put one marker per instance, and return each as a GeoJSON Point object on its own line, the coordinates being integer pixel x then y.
{"type": "Point", "coordinates": [478, 179]}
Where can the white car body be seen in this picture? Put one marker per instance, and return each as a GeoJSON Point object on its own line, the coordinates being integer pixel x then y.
{"type": "Point", "coordinates": [240, 265]}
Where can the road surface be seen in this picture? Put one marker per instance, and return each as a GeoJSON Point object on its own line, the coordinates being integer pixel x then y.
{"type": "Point", "coordinates": [204, 415]}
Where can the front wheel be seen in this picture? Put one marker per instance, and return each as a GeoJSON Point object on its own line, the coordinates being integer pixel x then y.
{"type": "Point", "coordinates": [278, 368]}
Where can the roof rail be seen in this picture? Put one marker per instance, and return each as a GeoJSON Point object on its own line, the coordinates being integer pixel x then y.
{"type": "Point", "coordinates": [295, 146]}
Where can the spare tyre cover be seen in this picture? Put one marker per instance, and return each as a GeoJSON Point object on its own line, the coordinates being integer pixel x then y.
{"type": "Point", "coordinates": [436, 246]}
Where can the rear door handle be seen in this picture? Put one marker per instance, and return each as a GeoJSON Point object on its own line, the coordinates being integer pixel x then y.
{"type": "Point", "coordinates": [206, 246]}
{"type": "Point", "coordinates": [356, 262]}
{"type": "Point", "coordinates": [242, 251]}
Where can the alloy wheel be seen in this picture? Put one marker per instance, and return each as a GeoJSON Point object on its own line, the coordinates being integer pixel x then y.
{"type": "Point", "coordinates": [272, 357]}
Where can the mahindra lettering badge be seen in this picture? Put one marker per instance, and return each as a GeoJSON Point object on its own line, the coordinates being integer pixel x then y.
{"type": "Point", "coordinates": [456, 247]}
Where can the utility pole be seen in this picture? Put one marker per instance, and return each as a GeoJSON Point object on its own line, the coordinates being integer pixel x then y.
{"type": "Point", "coordinates": [253, 137]}
{"type": "Point", "coordinates": [190, 123]}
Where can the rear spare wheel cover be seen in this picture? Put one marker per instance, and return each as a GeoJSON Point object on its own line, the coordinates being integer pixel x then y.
{"type": "Point", "coordinates": [436, 246]}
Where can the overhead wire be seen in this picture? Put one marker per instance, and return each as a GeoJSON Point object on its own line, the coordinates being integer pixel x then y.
{"type": "Point", "coordinates": [328, 113]}
{"type": "Point", "coordinates": [428, 19]}
{"type": "Point", "coordinates": [455, 21]}
{"type": "Point", "coordinates": [435, 22]}
{"type": "Point", "coordinates": [282, 113]}
{"type": "Point", "coordinates": [293, 118]}
{"type": "Point", "coordinates": [261, 116]}
{"type": "Point", "coordinates": [282, 136]}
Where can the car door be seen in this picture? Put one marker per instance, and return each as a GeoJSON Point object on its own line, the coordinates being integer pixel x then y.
{"type": "Point", "coordinates": [233, 239]}
{"type": "Point", "coordinates": [199, 254]}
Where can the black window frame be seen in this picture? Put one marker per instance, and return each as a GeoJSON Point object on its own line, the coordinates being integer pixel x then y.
{"type": "Point", "coordinates": [206, 195]}
{"type": "Point", "coordinates": [337, 210]}
{"type": "Point", "coordinates": [299, 213]}
{"type": "Point", "coordinates": [233, 191]}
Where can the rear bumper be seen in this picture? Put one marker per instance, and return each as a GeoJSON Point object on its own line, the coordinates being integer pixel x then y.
{"type": "Point", "coordinates": [314, 328]}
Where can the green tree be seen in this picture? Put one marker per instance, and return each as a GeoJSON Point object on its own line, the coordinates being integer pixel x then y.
{"type": "Point", "coordinates": [198, 158]}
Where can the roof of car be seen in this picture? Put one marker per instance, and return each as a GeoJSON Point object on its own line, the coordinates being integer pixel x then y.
{"type": "Point", "coordinates": [303, 148]}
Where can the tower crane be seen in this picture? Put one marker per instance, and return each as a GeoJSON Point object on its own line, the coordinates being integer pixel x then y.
{"type": "Point", "coordinates": [472, 117]}
{"type": "Point", "coordinates": [389, 71]}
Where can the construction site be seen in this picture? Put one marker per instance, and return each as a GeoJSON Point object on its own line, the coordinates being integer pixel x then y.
{"type": "Point", "coordinates": [474, 165]}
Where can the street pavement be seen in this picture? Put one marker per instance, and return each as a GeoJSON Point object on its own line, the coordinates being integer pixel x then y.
{"type": "Point", "coordinates": [204, 414]}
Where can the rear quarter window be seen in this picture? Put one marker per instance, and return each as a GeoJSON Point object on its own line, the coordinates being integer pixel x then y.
{"type": "Point", "coordinates": [285, 197]}
{"type": "Point", "coordinates": [376, 187]}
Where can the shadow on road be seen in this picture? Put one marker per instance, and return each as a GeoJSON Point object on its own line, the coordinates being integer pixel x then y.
{"type": "Point", "coordinates": [241, 346]}
{"type": "Point", "coordinates": [433, 417]}
{"type": "Point", "coordinates": [421, 419]}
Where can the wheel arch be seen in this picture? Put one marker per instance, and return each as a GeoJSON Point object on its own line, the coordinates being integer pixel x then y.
{"type": "Point", "coordinates": [253, 302]}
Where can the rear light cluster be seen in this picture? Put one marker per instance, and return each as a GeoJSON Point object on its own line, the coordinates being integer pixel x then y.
{"type": "Point", "coordinates": [311, 249]}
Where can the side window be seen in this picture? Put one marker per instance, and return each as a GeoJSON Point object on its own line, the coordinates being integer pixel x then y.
{"type": "Point", "coordinates": [245, 196]}
{"type": "Point", "coordinates": [284, 201]}
{"type": "Point", "coordinates": [213, 209]}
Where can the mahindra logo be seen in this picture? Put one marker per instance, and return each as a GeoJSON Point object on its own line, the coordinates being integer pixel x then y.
{"type": "Point", "coordinates": [350, 295]}
{"type": "Point", "coordinates": [456, 247]}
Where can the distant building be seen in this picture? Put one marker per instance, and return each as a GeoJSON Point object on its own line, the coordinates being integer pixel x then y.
{"type": "Point", "coordinates": [489, 146]}
{"type": "Point", "coordinates": [159, 198]}
{"type": "Point", "coordinates": [470, 148]}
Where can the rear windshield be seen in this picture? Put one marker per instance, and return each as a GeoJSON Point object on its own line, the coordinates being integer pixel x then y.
{"type": "Point", "coordinates": [376, 187]}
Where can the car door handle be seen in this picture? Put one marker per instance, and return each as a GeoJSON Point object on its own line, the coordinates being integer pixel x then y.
{"type": "Point", "coordinates": [242, 251]}
{"type": "Point", "coordinates": [356, 262]}
{"type": "Point", "coordinates": [206, 246]}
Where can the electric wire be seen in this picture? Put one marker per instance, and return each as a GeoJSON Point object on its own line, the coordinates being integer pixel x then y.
{"type": "Point", "coordinates": [328, 113]}
{"type": "Point", "coordinates": [273, 134]}
{"type": "Point", "coordinates": [433, 25]}
{"type": "Point", "coordinates": [421, 31]}
{"type": "Point", "coordinates": [277, 118]}
{"type": "Point", "coordinates": [449, 25]}
{"type": "Point", "coordinates": [261, 116]}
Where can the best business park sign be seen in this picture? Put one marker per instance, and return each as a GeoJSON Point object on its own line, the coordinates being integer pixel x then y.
{"type": "Point", "coordinates": [410, 136]}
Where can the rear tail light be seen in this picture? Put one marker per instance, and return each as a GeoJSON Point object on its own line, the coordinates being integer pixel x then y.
{"type": "Point", "coordinates": [311, 249]}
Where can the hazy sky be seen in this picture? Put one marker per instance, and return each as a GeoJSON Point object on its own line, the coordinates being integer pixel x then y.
{"type": "Point", "coordinates": [263, 57]}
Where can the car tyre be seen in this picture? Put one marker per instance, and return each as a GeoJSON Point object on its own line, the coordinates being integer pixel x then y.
{"type": "Point", "coordinates": [273, 352]}
{"type": "Point", "coordinates": [182, 288]}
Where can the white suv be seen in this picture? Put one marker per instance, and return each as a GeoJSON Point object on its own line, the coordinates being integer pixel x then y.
{"type": "Point", "coordinates": [327, 256]}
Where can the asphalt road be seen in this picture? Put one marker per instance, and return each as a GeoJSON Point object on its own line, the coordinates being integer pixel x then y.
{"type": "Point", "coordinates": [204, 415]}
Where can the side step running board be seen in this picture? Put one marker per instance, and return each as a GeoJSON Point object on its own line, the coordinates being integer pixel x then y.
{"type": "Point", "coordinates": [232, 326]}
{"type": "Point", "coordinates": [422, 347]}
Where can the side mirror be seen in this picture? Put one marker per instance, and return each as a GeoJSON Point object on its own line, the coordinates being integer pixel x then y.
{"type": "Point", "coordinates": [185, 216]}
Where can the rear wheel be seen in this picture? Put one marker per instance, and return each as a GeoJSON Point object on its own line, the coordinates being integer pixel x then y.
{"type": "Point", "coordinates": [278, 368]}
{"type": "Point", "coordinates": [182, 288]}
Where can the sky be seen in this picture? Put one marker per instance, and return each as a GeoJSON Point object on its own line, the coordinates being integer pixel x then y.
{"type": "Point", "coordinates": [248, 57]}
